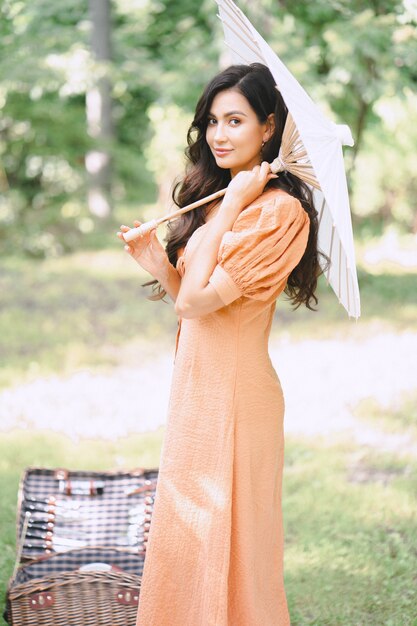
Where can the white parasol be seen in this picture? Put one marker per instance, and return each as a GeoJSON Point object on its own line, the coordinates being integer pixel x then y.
{"type": "Point", "coordinates": [311, 149]}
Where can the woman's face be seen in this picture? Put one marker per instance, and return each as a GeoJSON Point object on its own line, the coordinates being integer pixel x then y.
{"type": "Point", "coordinates": [234, 133]}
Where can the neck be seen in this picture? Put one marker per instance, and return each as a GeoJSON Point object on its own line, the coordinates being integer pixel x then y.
{"type": "Point", "coordinates": [244, 168]}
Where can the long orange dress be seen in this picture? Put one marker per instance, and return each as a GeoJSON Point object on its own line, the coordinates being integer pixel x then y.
{"type": "Point", "coordinates": [215, 546]}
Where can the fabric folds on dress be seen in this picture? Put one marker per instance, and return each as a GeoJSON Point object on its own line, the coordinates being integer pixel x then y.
{"type": "Point", "coordinates": [265, 244]}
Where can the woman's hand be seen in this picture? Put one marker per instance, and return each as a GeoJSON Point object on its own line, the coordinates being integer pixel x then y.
{"type": "Point", "coordinates": [246, 186]}
{"type": "Point", "coordinates": [146, 250]}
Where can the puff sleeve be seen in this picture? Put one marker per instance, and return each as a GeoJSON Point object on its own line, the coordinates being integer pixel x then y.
{"type": "Point", "coordinates": [266, 243]}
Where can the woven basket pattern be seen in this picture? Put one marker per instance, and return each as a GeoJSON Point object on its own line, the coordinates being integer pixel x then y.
{"type": "Point", "coordinates": [77, 599]}
{"type": "Point", "coordinates": [72, 560]}
{"type": "Point", "coordinates": [108, 525]}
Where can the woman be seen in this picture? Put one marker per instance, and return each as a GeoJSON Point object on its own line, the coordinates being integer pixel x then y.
{"type": "Point", "coordinates": [215, 547]}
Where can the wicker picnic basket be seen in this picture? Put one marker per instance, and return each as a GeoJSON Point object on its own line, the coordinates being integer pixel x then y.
{"type": "Point", "coordinates": [97, 586]}
{"type": "Point", "coordinates": [66, 509]}
{"type": "Point", "coordinates": [81, 540]}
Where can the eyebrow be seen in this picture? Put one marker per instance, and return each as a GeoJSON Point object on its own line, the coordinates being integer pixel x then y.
{"type": "Point", "coordinates": [230, 113]}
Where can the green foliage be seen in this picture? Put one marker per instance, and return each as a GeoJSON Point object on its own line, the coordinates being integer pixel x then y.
{"type": "Point", "coordinates": [385, 181]}
{"type": "Point", "coordinates": [42, 176]}
{"type": "Point", "coordinates": [351, 57]}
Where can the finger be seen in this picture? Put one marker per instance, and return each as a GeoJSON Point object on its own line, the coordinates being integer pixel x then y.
{"type": "Point", "coordinates": [260, 173]}
{"type": "Point", "coordinates": [128, 249]}
{"type": "Point", "coordinates": [124, 228]}
{"type": "Point", "coordinates": [265, 168]}
{"type": "Point", "coordinates": [137, 223]}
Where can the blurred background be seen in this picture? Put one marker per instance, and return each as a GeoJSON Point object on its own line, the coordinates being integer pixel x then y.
{"type": "Point", "coordinates": [95, 101]}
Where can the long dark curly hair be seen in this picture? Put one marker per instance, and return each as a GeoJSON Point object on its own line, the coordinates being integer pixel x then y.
{"type": "Point", "coordinates": [203, 176]}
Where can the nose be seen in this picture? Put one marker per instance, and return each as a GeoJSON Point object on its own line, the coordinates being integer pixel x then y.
{"type": "Point", "coordinates": [219, 134]}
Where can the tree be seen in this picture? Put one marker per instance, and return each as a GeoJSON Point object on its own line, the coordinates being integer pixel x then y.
{"type": "Point", "coordinates": [99, 112]}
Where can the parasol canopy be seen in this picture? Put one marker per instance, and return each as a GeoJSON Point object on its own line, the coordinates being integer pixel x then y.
{"type": "Point", "coordinates": [311, 149]}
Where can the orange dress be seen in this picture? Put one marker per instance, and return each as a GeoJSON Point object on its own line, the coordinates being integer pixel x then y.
{"type": "Point", "coordinates": [215, 546]}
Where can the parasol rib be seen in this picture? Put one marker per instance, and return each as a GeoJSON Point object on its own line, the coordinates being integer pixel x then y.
{"type": "Point", "coordinates": [330, 251]}
{"type": "Point", "coordinates": [240, 23]}
{"type": "Point", "coordinates": [245, 37]}
{"type": "Point", "coordinates": [234, 51]}
{"type": "Point", "coordinates": [321, 210]}
{"type": "Point", "coordinates": [243, 20]}
{"type": "Point", "coordinates": [292, 152]}
{"type": "Point", "coordinates": [254, 50]}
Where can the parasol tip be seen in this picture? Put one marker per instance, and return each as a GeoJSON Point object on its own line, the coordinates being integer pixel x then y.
{"type": "Point", "coordinates": [343, 133]}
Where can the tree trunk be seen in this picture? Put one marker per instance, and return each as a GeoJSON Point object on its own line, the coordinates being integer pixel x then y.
{"type": "Point", "coordinates": [99, 112]}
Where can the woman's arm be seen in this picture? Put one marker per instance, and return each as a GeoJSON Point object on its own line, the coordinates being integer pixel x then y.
{"type": "Point", "coordinates": [169, 278]}
{"type": "Point", "coordinates": [193, 295]}
{"type": "Point", "coordinates": [196, 295]}
{"type": "Point", "coordinates": [150, 254]}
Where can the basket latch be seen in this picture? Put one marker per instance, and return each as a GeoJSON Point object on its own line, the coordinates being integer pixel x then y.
{"type": "Point", "coordinates": [41, 600]}
{"type": "Point", "coordinates": [61, 473]}
{"type": "Point", "coordinates": [127, 596]}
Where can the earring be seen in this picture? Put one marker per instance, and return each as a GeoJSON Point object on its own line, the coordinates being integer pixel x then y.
{"type": "Point", "coordinates": [263, 143]}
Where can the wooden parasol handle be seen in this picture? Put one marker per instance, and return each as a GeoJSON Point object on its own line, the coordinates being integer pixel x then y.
{"type": "Point", "coordinates": [141, 230]}
{"type": "Point", "coordinates": [277, 165]}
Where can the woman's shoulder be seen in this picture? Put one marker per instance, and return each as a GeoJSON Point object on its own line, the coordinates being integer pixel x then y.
{"type": "Point", "coordinates": [274, 196]}
{"type": "Point", "coordinates": [272, 206]}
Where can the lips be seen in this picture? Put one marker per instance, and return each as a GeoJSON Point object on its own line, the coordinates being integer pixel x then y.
{"type": "Point", "coordinates": [221, 152]}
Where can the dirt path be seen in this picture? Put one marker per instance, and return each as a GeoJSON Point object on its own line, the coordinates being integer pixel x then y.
{"type": "Point", "coordinates": [323, 381]}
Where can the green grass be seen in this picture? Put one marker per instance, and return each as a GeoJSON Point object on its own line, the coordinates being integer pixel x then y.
{"type": "Point", "coordinates": [86, 309]}
{"type": "Point", "coordinates": [351, 543]}
{"type": "Point", "coordinates": [393, 419]}
{"type": "Point", "coordinates": [58, 315]}
{"type": "Point", "coordinates": [350, 537]}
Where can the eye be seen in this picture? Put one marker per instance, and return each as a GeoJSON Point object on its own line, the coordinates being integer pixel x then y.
{"type": "Point", "coordinates": [211, 121]}
{"type": "Point", "coordinates": [234, 119]}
